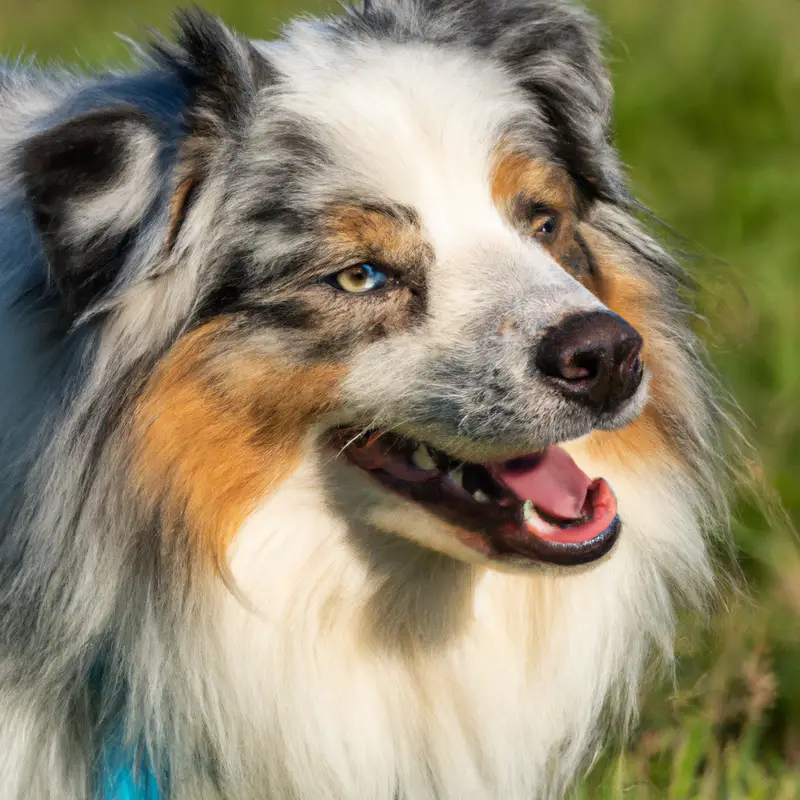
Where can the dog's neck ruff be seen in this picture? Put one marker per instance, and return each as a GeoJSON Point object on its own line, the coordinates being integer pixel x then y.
{"type": "Point", "coordinates": [520, 629]}
{"type": "Point", "coordinates": [445, 652]}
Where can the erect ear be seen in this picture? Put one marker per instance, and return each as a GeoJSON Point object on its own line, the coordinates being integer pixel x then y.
{"type": "Point", "coordinates": [89, 182]}
{"type": "Point", "coordinates": [551, 50]}
{"type": "Point", "coordinates": [222, 74]}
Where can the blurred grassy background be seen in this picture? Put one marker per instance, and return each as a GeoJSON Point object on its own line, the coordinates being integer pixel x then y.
{"type": "Point", "coordinates": [708, 120]}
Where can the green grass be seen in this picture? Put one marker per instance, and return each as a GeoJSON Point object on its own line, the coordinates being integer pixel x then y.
{"type": "Point", "coordinates": [708, 120]}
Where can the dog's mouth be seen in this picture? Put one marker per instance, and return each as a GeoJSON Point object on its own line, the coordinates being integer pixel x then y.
{"type": "Point", "coordinates": [537, 507]}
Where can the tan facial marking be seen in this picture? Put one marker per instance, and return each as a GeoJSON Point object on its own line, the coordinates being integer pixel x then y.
{"type": "Point", "coordinates": [217, 430]}
{"type": "Point", "coordinates": [177, 209]}
{"type": "Point", "coordinates": [355, 232]}
{"type": "Point", "coordinates": [626, 292]}
{"type": "Point", "coordinates": [518, 179]}
{"type": "Point", "coordinates": [516, 175]}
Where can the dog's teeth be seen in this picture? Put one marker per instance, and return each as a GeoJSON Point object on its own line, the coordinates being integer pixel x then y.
{"type": "Point", "coordinates": [457, 476]}
{"type": "Point", "coordinates": [480, 496]}
{"type": "Point", "coordinates": [528, 511]}
{"type": "Point", "coordinates": [422, 458]}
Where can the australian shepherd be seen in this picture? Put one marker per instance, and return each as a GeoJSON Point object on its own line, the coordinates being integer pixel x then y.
{"type": "Point", "coordinates": [355, 442]}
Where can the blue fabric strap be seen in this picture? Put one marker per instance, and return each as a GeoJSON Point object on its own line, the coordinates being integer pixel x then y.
{"type": "Point", "coordinates": [122, 778]}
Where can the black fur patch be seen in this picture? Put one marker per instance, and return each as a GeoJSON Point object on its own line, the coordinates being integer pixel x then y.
{"type": "Point", "coordinates": [292, 314]}
{"type": "Point", "coordinates": [246, 293]}
{"type": "Point", "coordinates": [101, 262]}
{"type": "Point", "coordinates": [565, 143]}
{"type": "Point", "coordinates": [215, 73]}
{"type": "Point", "coordinates": [221, 73]}
{"type": "Point", "coordinates": [296, 142]}
{"type": "Point", "coordinates": [586, 260]}
{"type": "Point", "coordinates": [78, 158]}
{"type": "Point", "coordinates": [73, 162]}
{"type": "Point", "coordinates": [277, 210]}
{"type": "Point", "coordinates": [228, 295]}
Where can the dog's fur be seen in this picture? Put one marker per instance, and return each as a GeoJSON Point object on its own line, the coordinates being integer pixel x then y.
{"type": "Point", "coordinates": [183, 564]}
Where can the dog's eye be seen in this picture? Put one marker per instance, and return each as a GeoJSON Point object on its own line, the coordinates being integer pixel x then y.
{"type": "Point", "coordinates": [358, 279]}
{"type": "Point", "coordinates": [545, 227]}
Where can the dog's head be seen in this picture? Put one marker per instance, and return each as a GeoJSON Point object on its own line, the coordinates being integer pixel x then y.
{"type": "Point", "coordinates": [399, 241]}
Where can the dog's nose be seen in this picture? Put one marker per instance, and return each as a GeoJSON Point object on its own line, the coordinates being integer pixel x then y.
{"type": "Point", "coordinates": [594, 358]}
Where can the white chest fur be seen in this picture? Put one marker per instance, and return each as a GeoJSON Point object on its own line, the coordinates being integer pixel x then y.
{"type": "Point", "coordinates": [454, 683]}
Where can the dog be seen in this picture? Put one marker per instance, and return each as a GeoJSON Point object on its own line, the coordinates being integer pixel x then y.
{"type": "Point", "coordinates": [356, 440]}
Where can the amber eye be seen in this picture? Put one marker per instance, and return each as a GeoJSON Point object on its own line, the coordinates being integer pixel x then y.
{"type": "Point", "coordinates": [545, 227]}
{"type": "Point", "coordinates": [358, 279]}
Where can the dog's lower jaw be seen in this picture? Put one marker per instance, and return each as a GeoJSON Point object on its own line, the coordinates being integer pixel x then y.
{"type": "Point", "coordinates": [420, 675]}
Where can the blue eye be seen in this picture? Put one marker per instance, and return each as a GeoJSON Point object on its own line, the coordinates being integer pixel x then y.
{"type": "Point", "coordinates": [358, 279]}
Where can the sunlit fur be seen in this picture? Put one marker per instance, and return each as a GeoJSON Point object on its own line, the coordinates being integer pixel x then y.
{"type": "Point", "coordinates": [185, 566]}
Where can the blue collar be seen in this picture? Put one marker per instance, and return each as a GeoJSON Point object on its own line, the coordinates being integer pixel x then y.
{"type": "Point", "coordinates": [125, 772]}
{"type": "Point", "coordinates": [125, 775]}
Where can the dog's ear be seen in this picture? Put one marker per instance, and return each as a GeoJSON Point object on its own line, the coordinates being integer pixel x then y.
{"type": "Point", "coordinates": [89, 182]}
{"type": "Point", "coordinates": [222, 74]}
{"type": "Point", "coordinates": [551, 50]}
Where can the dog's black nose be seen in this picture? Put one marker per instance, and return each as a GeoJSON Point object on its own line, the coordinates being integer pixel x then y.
{"type": "Point", "coordinates": [594, 358]}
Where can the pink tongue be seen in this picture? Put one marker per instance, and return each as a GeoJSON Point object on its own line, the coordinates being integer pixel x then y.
{"type": "Point", "coordinates": [551, 480]}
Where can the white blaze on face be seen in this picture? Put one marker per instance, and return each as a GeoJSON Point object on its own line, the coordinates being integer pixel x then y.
{"type": "Point", "coordinates": [423, 127]}
{"type": "Point", "coordinates": [420, 126]}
